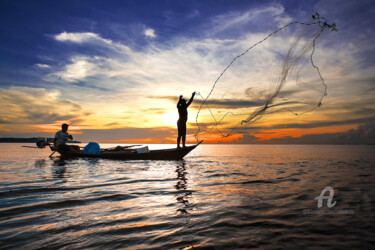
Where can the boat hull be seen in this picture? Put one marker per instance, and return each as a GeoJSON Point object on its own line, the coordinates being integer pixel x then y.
{"type": "Point", "coordinates": [161, 154]}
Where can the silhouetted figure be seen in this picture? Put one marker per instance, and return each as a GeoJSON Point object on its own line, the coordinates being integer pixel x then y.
{"type": "Point", "coordinates": [61, 137]}
{"type": "Point", "coordinates": [183, 116]}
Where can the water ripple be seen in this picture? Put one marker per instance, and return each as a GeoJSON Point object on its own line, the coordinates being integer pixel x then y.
{"type": "Point", "coordinates": [255, 197]}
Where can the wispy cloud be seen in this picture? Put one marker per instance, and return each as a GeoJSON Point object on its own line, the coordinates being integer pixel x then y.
{"type": "Point", "coordinates": [43, 66]}
{"type": "Point", "coordinates": [81, 37]}
{"type": "Point", "coordinates": [89, 38]}
{"type": "Point", "coordinates": [80, 68]}
{"type": "Point", "coordinates": [194, 13]}
{"type": "Point", "coordinates": [150, 33]}
{"type": "Point", "coordinates": [261, 16]}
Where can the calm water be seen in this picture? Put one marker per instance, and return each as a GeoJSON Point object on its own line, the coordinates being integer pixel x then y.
{"type": "Point", "coordinates": [220, 196]}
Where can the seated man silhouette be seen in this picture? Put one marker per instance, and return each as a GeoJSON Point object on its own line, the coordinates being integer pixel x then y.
{"type": "Point", "coordinates": [183, 116]}
{"type": "Point", "coordinates": [61, 137]}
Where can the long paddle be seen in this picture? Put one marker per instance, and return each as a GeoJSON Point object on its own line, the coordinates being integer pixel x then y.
{"type": "Point", "coordinates": [52, 154]}
{"type": "Point", "coordinates": [53, 149]}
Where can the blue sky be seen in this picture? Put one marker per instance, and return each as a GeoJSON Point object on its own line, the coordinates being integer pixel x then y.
{"type": "Point", "coordinates": [100, 64]}
{"type": "Point", "coordinates": [28, 26]}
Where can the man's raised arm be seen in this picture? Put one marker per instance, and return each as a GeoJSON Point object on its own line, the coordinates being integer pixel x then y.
{"type": "Point", "coordinates": [191, 99]}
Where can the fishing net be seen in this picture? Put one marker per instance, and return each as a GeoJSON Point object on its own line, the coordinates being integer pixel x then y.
{"type": "Point", "coordinates": [275, 75]}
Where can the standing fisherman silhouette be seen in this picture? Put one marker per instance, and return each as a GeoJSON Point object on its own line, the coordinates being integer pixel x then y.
{"type": "Point", "coordinates": [183, 116]}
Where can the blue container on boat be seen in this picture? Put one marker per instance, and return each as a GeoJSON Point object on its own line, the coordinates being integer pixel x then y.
{"type": "Point", "coordinates": [92, 148]}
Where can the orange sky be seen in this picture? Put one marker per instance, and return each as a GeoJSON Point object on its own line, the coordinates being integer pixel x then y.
{"type": "Point", "coordinates": [112, 88]}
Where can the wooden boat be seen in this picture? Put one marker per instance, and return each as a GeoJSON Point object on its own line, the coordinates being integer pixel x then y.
{"type": "Point", "coordinates": [128, 154]}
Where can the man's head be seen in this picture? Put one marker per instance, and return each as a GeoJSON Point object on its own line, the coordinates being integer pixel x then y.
{"type": "Point", "coordinates": [64, 127]}
{"type": "Point", "coordinates": [183, 100]}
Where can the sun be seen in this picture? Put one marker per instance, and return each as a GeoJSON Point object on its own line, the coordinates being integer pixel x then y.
{"type": "Point", "coordinates": [170, 118]}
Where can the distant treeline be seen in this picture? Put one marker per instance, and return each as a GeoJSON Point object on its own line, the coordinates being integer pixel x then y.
{"type": "Point", "coordinates": [27, 140]}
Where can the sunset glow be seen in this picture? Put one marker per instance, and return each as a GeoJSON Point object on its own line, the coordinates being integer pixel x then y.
{"type": "Point", "coordinates": [118, 80]}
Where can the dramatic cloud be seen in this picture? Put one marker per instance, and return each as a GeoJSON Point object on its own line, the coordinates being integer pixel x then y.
{"type": "Point", "coordinates": [364, 134]}
{"type": "Point", "coordinates": [215, 103]}
{"type": "Point", "coordinates": [110, 67]}
{"type": "Point", "coordinates": [196, 62]}
{"type": "Point", "coordinates": [317, 124]}
{"type": "Point", "coordinates": [36, 106]}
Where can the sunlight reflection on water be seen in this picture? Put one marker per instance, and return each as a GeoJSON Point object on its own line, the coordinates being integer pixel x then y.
{"type": "Point", "coordinates": [219, 196]}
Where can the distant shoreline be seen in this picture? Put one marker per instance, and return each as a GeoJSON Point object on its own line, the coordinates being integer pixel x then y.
{"type": "Point", "coordinates": [27, 140]}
